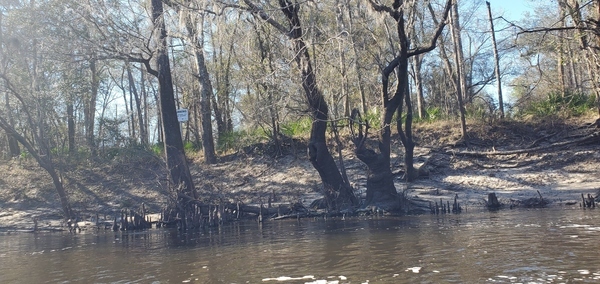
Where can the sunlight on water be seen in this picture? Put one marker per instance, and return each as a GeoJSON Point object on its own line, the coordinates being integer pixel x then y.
{"type": "Point", "coordinates": [535, 246]}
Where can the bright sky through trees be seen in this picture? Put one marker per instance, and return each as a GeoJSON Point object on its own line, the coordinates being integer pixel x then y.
{"type": "Point", "coordinates": [511, 9]}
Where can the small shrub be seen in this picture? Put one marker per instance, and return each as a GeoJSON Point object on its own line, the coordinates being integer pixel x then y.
{"type": "Point", "coordinates": [24, 154]}
{"type": "Point", "coordinates": [569, 104]}
{"type": "Point", "coordinates": [431, 114]}
{"type": "Point", "coordinates": [190, 147]}
{"type": "Point", "coordinates": [373, 118]}
{"type": "Point", "coordinates": [238, 139]}
{"type": "Point", "coordinates": [297, 128]}
{"type": "Point", "coordinates": [158, 149]}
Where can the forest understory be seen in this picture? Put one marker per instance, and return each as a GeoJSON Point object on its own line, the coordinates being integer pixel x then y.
{"type": "Point", "coordinates": [549, 162]}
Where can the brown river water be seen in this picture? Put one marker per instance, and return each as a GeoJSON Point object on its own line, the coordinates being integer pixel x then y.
{"type": "Point", "coordinates": [511, 246]}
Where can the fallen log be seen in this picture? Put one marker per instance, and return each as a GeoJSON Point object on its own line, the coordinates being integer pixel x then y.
{"type": "Point", "coordinates": [588, 139]}
{"type": "Point", "coordinates": [259, 210]}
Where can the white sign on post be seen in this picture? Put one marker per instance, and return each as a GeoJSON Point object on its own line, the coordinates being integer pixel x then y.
{"type": "Point", "coordinates": [182, 115]}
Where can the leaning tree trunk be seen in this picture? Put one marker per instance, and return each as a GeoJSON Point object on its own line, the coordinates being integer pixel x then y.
{"type": "Point", "coordinates": [338, 193]}
{"type": "Point", "coordinates": [45, 161]}
{"type": "Point", "coordinates": [173, 144]}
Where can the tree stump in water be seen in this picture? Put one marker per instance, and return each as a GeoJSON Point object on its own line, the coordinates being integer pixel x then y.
{"type": "Point", "coordinates": [492, 202]}
{"type": "Point", "coordinates": [588, 202]}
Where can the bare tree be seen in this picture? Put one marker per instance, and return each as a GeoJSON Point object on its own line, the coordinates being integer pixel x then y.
{"type": "Point", "coordinates": [497, 62]}
{"type": "Point", "coordinates": [380, 187]}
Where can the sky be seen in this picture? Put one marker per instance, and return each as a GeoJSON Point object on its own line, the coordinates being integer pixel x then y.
{"type": "Point", "coordinates": [511, 9]}
{"type": "Point", "coordinates": [514, 11]}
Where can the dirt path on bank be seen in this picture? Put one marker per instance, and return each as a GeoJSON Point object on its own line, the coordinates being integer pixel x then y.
{"type": "Point", "coordinates": [560, 175]}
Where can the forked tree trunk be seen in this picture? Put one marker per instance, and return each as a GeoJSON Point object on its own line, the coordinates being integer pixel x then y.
{"type": "Point", "coordinates": [381, 191]}
{"type": "Point", "coordinates": [380, 186]}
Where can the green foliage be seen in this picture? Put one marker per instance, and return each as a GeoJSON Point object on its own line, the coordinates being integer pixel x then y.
{"type": "Point", "coordinates": [158, 149]}
{"type": "Point", "coordinates": [60, 151]}
{"type": "Point", "coordinates": [476, 111]}
{"type": "Point", "coordinates": [79, 153]}
{"type": "Point", "coordinates": [432, 114]}
{"type": "Point", "coordinates": [190, 147]}
{"type": "Point", "coordinates": [569, 104]}
{"type": "Point", "coordinates": [297, 128]}
{"type": "Point", "coordinates": [373, 117]}
{"type": "Point", "coordinates": [238, 139]}
{"type": "Point", "coordinates": [132, 155]}
{"type": "Point", "coordinates": [25, 154]}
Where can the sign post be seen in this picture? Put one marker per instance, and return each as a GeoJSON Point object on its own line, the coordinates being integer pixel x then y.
{"type": "Point", "coordinates": [182, 116]}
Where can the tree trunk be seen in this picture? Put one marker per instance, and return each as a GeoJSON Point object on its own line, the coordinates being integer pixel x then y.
{"type": "Point", "coordinates": [417, 61]}
{"type": "Point", "coordinates": [128, 114]}
{"type": "Point", "coordinates": [195, 114]}
{"type": "Point", "coordinates": [90, 108]}
{"type": "Point", "coordinates": [144, 107]}
{"type": "Point", "coordinates": [497, 63]}
{"type": "Point", "coordinates": [357, 61]}
{"type": "Point", "coordinates": [13, 145]}
{"type": "Point", "coordinates": [132, 134]}
{"type": "Point", "coordinates": [561, 49]}
{"type": "Point", "coordinates": [337, 193]}
{"type": "Point", "coordinates": [138, 104]}
{"type": "Point", "coordinates": [206, 89]}
{"type": "Point", "coordinates": [391, 105]}
{"type": "Point", "coordinates": [70, 127]}
{"type": "Point", "coordinates": [345, 93]}
{"type": "Point", "coordinates": [410, 173]}
{"type": "Point", "coordinates": [381, 191]}
{"type": "Point", "coordinates": [591, 55]}
{"type": "Point", "coordinates": [460, 76]}
{"type": "Point", "coordinates": [44, 159]}
{"type": "Point", "coordinates": [221, 100]}
{"type": "Point", "coordinates": [173, 145]}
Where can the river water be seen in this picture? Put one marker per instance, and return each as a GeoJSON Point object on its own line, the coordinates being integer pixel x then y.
{"type": "Point", "coordinates": [511, 246]}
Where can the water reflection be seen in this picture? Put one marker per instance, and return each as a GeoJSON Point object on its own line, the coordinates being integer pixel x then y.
{"type": "Point", "coordinates": [536, 246]}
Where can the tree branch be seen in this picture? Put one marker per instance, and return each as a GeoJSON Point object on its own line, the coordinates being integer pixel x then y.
{"type": "Point", "coordinates": [438, 32]}
{"type": "Point", "coordinates": [255, 10]}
